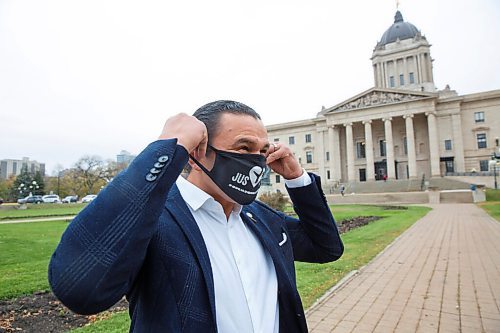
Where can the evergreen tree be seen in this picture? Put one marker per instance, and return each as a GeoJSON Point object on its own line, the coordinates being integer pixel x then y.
{"type": "Point", "coordinates": [40, 182]}
{"type": "Point", "coordinates": [21, 186]}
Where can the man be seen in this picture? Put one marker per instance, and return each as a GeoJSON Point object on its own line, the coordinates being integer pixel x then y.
{"type": "Point", "coordinates": [198, 254]}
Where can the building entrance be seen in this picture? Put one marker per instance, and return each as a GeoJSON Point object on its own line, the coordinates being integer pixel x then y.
{"type": "Point", "coordinates": [380, 170]}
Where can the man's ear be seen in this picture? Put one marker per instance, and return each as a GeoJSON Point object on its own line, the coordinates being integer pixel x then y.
{"type": "Point", "coordinates": [193, 165]}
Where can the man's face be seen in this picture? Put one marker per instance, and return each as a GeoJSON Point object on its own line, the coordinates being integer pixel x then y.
{"type": "Point", "coordinates": [236, 133]}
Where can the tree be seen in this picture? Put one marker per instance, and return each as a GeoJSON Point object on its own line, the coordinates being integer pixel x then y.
{"type": "Point", "coordinates": [21, 185]}
{"type": "Point", "coordinates": [5, 188]}
{"type": "Point", "coordinates": [91, 173]}
{"type": "Point", "coordinates": [40, 184]}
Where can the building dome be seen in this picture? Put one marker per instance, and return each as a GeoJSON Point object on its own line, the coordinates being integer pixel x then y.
{"type": "Point", "coordinates": [399, 30]}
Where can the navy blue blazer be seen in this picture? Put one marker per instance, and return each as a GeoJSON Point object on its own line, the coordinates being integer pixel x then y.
{"type": "Point", "coordinates": [139, 239]}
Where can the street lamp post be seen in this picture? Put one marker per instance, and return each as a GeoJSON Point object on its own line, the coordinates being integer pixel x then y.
{"type": "Point", "coordinates": [21, 190]}
{"type": "Point", "coordinates": [33, 187]}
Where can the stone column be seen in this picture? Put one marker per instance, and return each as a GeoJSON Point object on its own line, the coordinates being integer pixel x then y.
{"type": "Point", "coordinates": [419, 62]}
{"type": "Point", "coordinates": [410, 142]}
{"type": "Point", "coordinates": [433, 144]}
{"type": "Point", "coordinates": [351, 175]}
{"type": "Point", "coordinates": [406, 74]}
{"type": "Point", "coordinates": [335, 160]}
{"type": "Point", "coordinates": [389, 148]}
{"type": "Point", "coordinates": [320, 154]}
{"type": "Point", "coordinates": [370, 166]}
{"type": "Point", "coordinates": [458, 145]}
{"type": "Point", "coordinates": [384, 75]}
{"type": "Point", "coordinates": [331, 148]}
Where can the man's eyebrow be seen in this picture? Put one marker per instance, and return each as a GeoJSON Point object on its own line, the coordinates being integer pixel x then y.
{"type": "Point", "coordinates": [250, 142]}
{"type": "Point", "coordinates": [244, 141]}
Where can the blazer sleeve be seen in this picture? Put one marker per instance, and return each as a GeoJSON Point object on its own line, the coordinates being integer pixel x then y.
{"type": "Point", "coordinates": [314, 235]}
{"type": "Point", "coordinates": [103, 248]}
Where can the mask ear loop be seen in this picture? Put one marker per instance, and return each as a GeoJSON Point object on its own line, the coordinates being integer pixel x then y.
{"type": "Point", "coordinates": [200, 165]}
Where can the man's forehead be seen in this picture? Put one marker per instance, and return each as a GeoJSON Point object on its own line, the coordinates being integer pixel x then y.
{"type": "Point", "coordinates": [241, 124]}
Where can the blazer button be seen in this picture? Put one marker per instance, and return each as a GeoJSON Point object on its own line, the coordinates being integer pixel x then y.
{"type": "Point", "coordinates": [151, 178]}
{"type": "Point", "coordinates": [159, 165]}
{"type": "Point", "coordinates": [155, 171]}
{"type": "Point", "coordinates": [163, 159]}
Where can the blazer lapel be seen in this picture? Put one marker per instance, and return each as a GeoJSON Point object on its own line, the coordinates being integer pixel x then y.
{"type": "Point", "coordinates": [287, 291]}
{"type": "Point", "coordinates": [177, 206]}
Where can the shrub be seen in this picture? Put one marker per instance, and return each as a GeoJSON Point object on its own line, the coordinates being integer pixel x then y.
{"type": "Point", "coordinates": [274, 200]}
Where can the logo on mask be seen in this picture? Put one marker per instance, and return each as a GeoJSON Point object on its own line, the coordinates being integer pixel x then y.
{"type": "Point", "coordinates": [255, 175]}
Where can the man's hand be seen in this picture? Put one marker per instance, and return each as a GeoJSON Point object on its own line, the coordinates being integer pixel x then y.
{"type": "Point", "coordinates": [189, 132]}
{"type": "Point", "coordinates": [283, 162]}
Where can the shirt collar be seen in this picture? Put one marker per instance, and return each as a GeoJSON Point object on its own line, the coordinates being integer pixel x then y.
{"type": "Point", "coordinates": [196, 198]}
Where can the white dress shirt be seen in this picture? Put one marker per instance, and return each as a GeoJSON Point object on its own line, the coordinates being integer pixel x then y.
{"type": "Point", "coordinates": [245, 280]}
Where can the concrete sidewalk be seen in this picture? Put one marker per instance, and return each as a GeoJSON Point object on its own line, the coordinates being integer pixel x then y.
{"type": "Point", "coordinates": [38, 219]}
{"type": "Point", "coordinates": [442, 275]}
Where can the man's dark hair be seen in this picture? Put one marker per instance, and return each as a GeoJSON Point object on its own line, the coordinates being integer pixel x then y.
{"type": "Point", "coordinates": [210, 114]}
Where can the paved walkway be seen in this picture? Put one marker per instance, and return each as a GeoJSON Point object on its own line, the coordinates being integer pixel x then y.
{"type": "Point", "coordinates": [38, 219]}
{"type": "Point", "coordinates": [442, 275]}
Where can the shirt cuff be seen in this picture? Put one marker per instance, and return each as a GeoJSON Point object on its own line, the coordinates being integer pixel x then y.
{"type": "Point", "coordinates": [301, 181]}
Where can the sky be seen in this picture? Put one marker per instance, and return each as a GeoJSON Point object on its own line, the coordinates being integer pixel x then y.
{"type": "Point", "coordinates": [96, 77]}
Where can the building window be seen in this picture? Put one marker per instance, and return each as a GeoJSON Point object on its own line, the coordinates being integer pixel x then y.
{"type": "Point", "coordinates": [412, 78]}
{"type": "Point", "coordinates": [447, 144]}
{"type": "Point", "coordinates": [327, 174]}
{"type": "Point", "coordinates": [483, 165]}
{"type": "Point", "coordinates": [327, 156]}
{"type": "Point", "coordinates": [401, 80]}
{"type": "Point", "coordinates": [14, 168]}
{"type": "Point", "coordinates": [360, 149]}
{"type": "Point", "coordinates": [308, 138]}
{"type": "Point", "coordinates": [278, 179]}
{"type": "Point", "coordinates": [382, 148]}
{"type": "Point", "coordinates": [276, 139]}
{"type": "Point", "coordinates": [405, 146]}
{"type": "Point", "coordinates": [291, 140]}
{"type": "Point", "coordinates": [481, 140]}
{"type": "Point", "coordinates": [391, 81]}
{"type": "Point", "coordinates": [479, 117]}
{"type": "Point", "coordinates": [309, 157]}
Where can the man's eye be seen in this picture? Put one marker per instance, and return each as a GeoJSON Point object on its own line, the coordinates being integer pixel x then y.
{"type": "Point", "coordinates": [245, 148]}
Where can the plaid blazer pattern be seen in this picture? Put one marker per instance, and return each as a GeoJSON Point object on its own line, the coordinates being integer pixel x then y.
{"type": "Point", "coordinates": [138, 239]}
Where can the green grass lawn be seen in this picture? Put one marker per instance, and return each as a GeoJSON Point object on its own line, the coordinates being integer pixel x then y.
{"type": "Point", "coordinates": [492, 208]}
{"type": "Point", "coordinates": [25, 250]}
{"type": "Point", "coordinates": [492, 204]}
{"type": "Point", "coordinates": [492, 195]}
{"type": "Point", "coordinates": [42, 210]}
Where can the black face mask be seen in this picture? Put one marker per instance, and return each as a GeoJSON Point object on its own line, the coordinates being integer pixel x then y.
{"type": "Point", "coordinates": [237, 175]}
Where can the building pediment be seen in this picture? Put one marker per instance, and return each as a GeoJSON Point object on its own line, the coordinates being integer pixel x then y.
{"type": "Point", "coordinates": [375, 97]}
